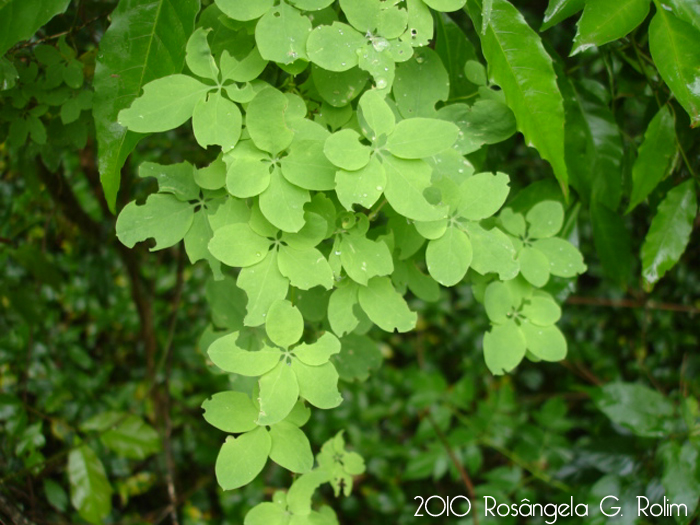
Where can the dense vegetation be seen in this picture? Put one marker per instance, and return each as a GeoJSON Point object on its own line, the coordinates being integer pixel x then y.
{"type": "Point", "coordinates": [392, 249]}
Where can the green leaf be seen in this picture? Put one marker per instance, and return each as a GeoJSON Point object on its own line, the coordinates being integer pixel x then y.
{"type": "Point", "coordinates": [363, 187]}
{"type": "Point", "coordinates": [673, 46]}
{"type": "Point", "coordinates": [545, 219]}
{"type": "Point", "coordinates": [279, 391]}
{"type": "Point", "coordinates": [227, 355]}
{"type": "Point", "coordinates": [267, 513]}
{"type": "Point", "coordinates": [421, 83]}
{"type": "Point", "coordinates": [132, 438]}
{"type": "Point", "coordinates": [178, 179]}
{"type": "Point", "coordinates": [340, 309]}
{"type": "Point", "coordinates": [90, 491]}
{"type": "Point", "coordinates": [655, 157]}
{"type": "Point", "coordinates": [305, 267]}
{"type": "Point", "coordinates": [55, 495]}
{"type": "Point", "coordinates": [669, 233]}
{"type": "Point", "coordinates": [406, 180]}
{"type": "Point", "coordinates": [291, 448]}
{"type": "Point", "coordinates": [485, 122]}
{"type": "Point", "coordinates": [263, 284]}
{"type": "Point", "coordinates": [248, 170]}
{"type": "Point", "coordinates": [499, 302]}
{"type": "Point", "coordinates": [230, 411]}
{"type": "Point", "coordinates": [377, 114]}
{"type": "Point", "coordinates": [423, 286]}
{"type": "Point", "coordinates": [166, 103]}
{"type": "Point", "coordinates": [448, 258]}
{"type": "Point", "coordinates": [217, 121]}
{"type": "Point", "coordinates": [244, 70]}
{"type": "Point", "coordinates": [564, 259]}
{"type": "Point", "coordinates": [266, 122]}
{"type": "Point", "coordinates": [534, 266]}
{"type": "Point", "coordinates": [681, 479]}
{"type": "Point", "coordinates": [334, 47]}
{"type": "Point", "coordinates": [358, 356]}
{"type": "Point", "coordinates": [612, 243]}
{"type": "Point", "coordinates": [241, 459]}
{"type": "Point", "coordinates": [284, 324]}
{"type": "Point", "coordinates": [456, 50]}
{"type": "Point", "coordinates": [318, 384]}
{"type": "Point", "coordinates": [243, 9]}
{"type": "Point", "coordinates": [541, 310]}
{"type": "Point", "coordinates": [603, 22]}
{"type": "Point", "coordinates": [238, 245]}
{"type": "Point", "coordinates": [420, 24]}
{"type": "Point", "coordinates": [519, 64]}
{"type": "Point", "coordinates": [145, 40]}
{"type": "Point", "coordinates": [20, 20]}
{"type": "Point", "coordinates": [493, 252]}
{"type": "Point", "coordinates": [163, 218]}
{"type": "Point", "coordinates": [559, 10]}
{"type": "Point", "coordinates": [339, 88]}
{"type": "Point", "coordinates": [482, 195]}
{"type": "Point", "coordinates": [417, 138]}
{"type": "Point", "coordinates": [687, 10]}
{"type": "Point", "coordinates": [363, 258]}
{"type": "Point", "coordinates": [641, 410]}
{"type": "Point", "coordinates": [504, 348]}
{"type": "Point", "coordinates": [385, 306]}
{"type": "Point", "coordinates": [320, 352]}
{"type": "Point", "coordinates": [446, 5]}
{"type": "Point", "coordinates": [282, 203]}
{"type": "Point", "coordinates": [545, 342]}
{"type": "Point", "coordinates": [198, 56]}
{"type": "Point", "coordinates": [281, 34]}
{"type": "Point", "coordinates": [307, 167]}
{"type": "Point", "coordinates": [212, 177]}
{"type": "Point", "coordinates": [344, 149]}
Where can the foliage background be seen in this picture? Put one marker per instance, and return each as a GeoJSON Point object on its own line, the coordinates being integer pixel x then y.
{"type": "Point", "coordinates": [89, 327]}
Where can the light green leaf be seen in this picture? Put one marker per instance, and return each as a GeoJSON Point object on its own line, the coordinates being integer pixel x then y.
{"type": "Point", "coordinates": [267, 513]}
{"type": "Point", "coordinates": [305, 267]}
{"type": "Point", "coordinates": [377, 114]}
{"type": "Point", "coordinates": [163, 218]}
{"type": "Point", "coordinates": [448, 258]}
{"type": "Point", "coordinates": [655, 157]}
{"type": "Point", "coordinates": [198, 56]}
{"type": "Point", "coordinates": [420, 24]}
{"type": "Point", "coordinates": [291, 448]}
{"type": "Point", "coordinates": [504, 348]}
{"type": "Point", "coordinates": [545, 219]}
{"type": "Point", "coordinates": [238, 245]}
{"type": "Point", "coordinates": [166, 103]}
{"type": "Point", "coordinates": [318, 384]}
{"type": "Point", "coordinates": [344, 149]}
{"type": "Point", "coordinates": [230, 411]}
{"type": "Point", "coordinates": [421, 83]}
{"type": "Point", "coordinates": [499, 302]}
{"type": "Point", "coordinates": [281, 34]}
{"type": "Point", "coordinates": [90, 491]}
{"type": "Point", "coordinates": [178, 179]}
{"type": "Point", "coordinates": [519, 64]}
{"type": "Point", "coordinates": [212, 177]}
{"type": "Point", "coordinates": [248, 170]}
{"type": "Point", "coordinates": [603, 22]}
{"type": "Point", "coordinates": [406, 180]}
{"type": "Point", "coordinates": [266, 122]}
{"type": "Point", "coordinates": [320, 352]}
{"type": "Point", "coordinates": [669, 233]}
{"type": "Point", "coordinates": [284, 324]}
{"type": "Point", "coordinates": [433, 229]}
{"type": "Point", "coordinates": [363, 258]}
{"type": "Point", "coordinates": [564, 259]}
{"type": "Point", "coordinates": [363, 187]}
{"type": "Point", "coordinates": [541, 310]}
{"type": "Point", "coordinates": [244, 9]}
{"type": "Point", "coordinates": [217, 121]}
{"type": "Point", "coordinates": [493, 252]}
{"type": "Point", "coordinates": [263, 284]}
{"type": "Point", "coordinates": [132, 438]}
{"type": "Point", "coordinates": [340, 309]}
{"type": "Point", "coordinates": [227, 355]}
{"type": "Point", "coordinates": [299, 415]}
{"type": "Point", "coordinates": [307, 167]}
{"type": "Point", "coordinates": [244, 70]}
{"type": "Point", "coordinates": [241, 459]}
{"type": "Point", "coordinates": [559, 10]}
{"type": "Point", "coordinates": [380, 63]}
{"type": "Point", "coordinates": [339, 89]}
{"type": "Point", "coordinates": [229, 212]}
{"type": "Point", "coordinates": [673, 46]}
{"type": "Point", "coordinates": [534, 266]}
{"type": "Point", "coordinates": [485, 122]}
{"type": "Point", "coordinates": [545, 342]}
{"type": "Point", "coordinates": [314, 231]}
{"type": "Point", "coordinates": [446, 5]}
{"type": "Point", "coordinates": [513, 223]}
{"type": "Point", "coordinates": [279, 391]}
{"type": "Point", "coordinates": [334, 47]}
{"type": "Point", "coordinates": [417, 138]}
{"type": "Point", "coordinates": [482, 195]}
{"type": "Point", "coordinates": [282, 203]}
{"type": "Point", "coordinates": [423, 286]}
{"type": "Point", "coordinates": [688, 10]}
{"type": "Point", "coordinates": [385, 306]}
{"type": "Point", "coordinates": [311, 5]}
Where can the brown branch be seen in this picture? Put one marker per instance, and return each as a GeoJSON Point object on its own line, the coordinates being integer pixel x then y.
{"type": "Point", "coordinates": [12, 513]}
{"type": "Point", "coordinates": [631, 303]}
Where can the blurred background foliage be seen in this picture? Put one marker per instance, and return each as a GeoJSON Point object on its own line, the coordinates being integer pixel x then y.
{"type": "Point", "coordinates": [98, 344]}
